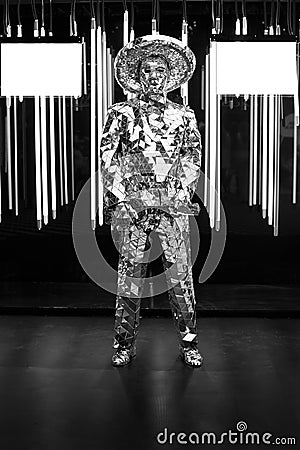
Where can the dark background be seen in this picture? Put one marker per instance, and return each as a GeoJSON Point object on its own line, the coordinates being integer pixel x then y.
{"type": "Point", "coordinates": [252, 254]}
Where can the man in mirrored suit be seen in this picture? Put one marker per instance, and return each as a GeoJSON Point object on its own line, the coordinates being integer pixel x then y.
{"type": "Point", "coordinates": [150, 165]}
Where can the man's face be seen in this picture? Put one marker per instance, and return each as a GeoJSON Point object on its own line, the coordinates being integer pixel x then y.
{"type": "Point", "coordinates": [154, 75]}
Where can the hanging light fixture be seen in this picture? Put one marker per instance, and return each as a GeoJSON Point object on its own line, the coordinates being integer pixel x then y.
{"type": "Point", "coordinates": [99, 109]}
{"type": "Point", "coordinates": [257, 74]}
{"type": "Point", "coordinates": [184, 38]}
{"type": "Point", "coordinates": [93, 116]}
{"type": "Point", "coordinates": [154, 22]}
{"type": "Point", "coordinates": [42, 69]}
{"type": "Point", "coordinates": [131, 36]}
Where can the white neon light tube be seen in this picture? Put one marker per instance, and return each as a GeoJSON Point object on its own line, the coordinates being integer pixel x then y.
{"type": "Point", "coordinates": [72, 148]}
{"type": "Point", "coordinates": [218, 165]}
{"type": "Point", "coordinates": [276, 218]}
{"type": "Point", "coordinates": [44, 160]}
{"type": "Point", "coordinates": [109, 78]}
{"type": "Point", "coordinates": [184, 39]}
{"type": "Point", "coordinates": [125, 28]}
{"type": "Point", "coordinates": [264, 157]}
{"type": "Point", "coordinates": [104, 72]}
{"type": "Point", "coordinates": [207, 126]}
{"type": "Point", "coordinates": [52, 157]}
{"type": "Point", "coordinates": [60, 150]}
{"type": "Point", "coordinates": [93, 123]}
{"type": "Point", "coordinates": [65, 150]}
{"type": "Point", "coordinates": [154, 27]}
{"type": "Point", "coordinates": [255, 134]}
{"type": "Point", "coordinates": [276, 125]}
{"type": "Point", "coordinates": [100, 121]}
{"type": "Point", "coordinates": [294, 199]}
{"type": "Point", "coordinates": [84, 66]}
{"type": "Point", "coordinates": [202, 88]}
{"type": "Point", "coordinates": [16, 157]}
{"type": "Point", "coordinates": [0, 194]}
{"type": "Point", "coordinates": [38, 186]}
{"type": "Point", "coordinates": [260, 149]}
{"type": "Point", "coordinates": [131, 38]}
{"type": "Point", "coordinates": [250, 200]}
{"type": "Point", "coordinates": [271, 160]}
{"type": "Point", "coordinates": [213, 131]}
{"type": "Point", "coordinates": [8, 151]}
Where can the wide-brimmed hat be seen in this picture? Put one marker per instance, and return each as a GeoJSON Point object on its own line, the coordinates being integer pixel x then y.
{"type": "Point", "coordinates": [181, 61]}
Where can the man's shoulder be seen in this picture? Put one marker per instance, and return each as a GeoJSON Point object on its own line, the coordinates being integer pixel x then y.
{"type": "Point", "coordinates": [118, 106]}
{"type": "Point", "coordinates": [183, 109]}
{"type": "Point", "coordinates": [125, 107]}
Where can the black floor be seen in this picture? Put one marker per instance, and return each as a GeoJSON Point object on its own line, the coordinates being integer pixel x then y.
{"type": "Point", "coordinates": [58, 390]}
{"type": "Point", "coordinates": [211, 299]}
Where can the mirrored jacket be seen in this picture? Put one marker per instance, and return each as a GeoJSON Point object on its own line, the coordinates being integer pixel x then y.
{"type": "Point", "coordinates": [151, 152]}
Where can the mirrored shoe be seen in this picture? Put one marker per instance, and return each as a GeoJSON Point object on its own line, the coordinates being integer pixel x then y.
{"type": "Point", "coordinates": [191, 356]}
{"type": "Point", "coordinates": [123, 356]}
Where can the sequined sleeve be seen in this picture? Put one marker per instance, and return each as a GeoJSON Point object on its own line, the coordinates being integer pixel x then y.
{"type": "Point", "coordinates": [190, 158]}
{"type": "Point", "coordinates": [113, 187]}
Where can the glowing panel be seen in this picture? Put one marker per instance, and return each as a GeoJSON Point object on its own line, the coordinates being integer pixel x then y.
{"type": "Point", "coordinates": [41, 69]}
{"type": "Point", "coordinates": [256, 68]}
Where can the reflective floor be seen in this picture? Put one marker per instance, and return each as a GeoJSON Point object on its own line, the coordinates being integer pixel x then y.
{"type": "Point", "coordinates": [58, 390]}
{"type": "Point", "coordinates": [89, 298]}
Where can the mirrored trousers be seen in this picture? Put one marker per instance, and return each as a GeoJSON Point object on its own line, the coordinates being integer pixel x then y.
{"type": "Point", "coordinates": [134, 247]}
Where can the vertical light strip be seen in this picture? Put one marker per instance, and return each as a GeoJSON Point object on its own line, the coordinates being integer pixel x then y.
{"type": "Point", "coordinates": [125, 41]}
{"type": "Point", "coordinates": [264, 157]}
{"type": "Point", "coordinates": [218, 165]}
{"type": "Point", "coordinates": [44, 160]}
{"type": "Point", "coordinates": [109, 78]}
{"type": "Point", "coordinates": [153, 27]}
{"type": "Point", "coordinates": [60, 150]}
{"type": "Point", "coordinates": [52, 156]}
{"type": "Point", "coordinates": [84, 77]}
{"type": "Point", "coordinates": [294, 199]}
{"type": "Point", "coordinates": [104, 72]}
{"type": "Point", "coordinates": [255, 134]}
{"type": "Point", "coordinates": [202, 100]}
{"type": "Point", "coordinates": [271, 160]}
{"type": "Point", "coordinates": [65, 149]}
{"type": "Point", "coordinates": [8, 149]}
{"type": "Point", "coordinates": [38, 185]}
{"type": "Point", "coordinates": [276, 218]}
{"type": "Point", "coordinates": [24, 153]}
{"type": "Point", "coordinates": [100, 120]}
{"type": "Point", "coordinates": [296, 95]}
{"type": "Point", "coordinates": [72, 148]}
{"type": "Point", "coordinates": [16, 157]}
{"type": "Point", "coordinates": [251, 130]}
{"type": "Point", "coordinates": [276, 124]}
{"type": "Point", "coordinates": [129, 94]}
{"type": "Point", "coordinates": [207, 127]}
{"type": "Point", "coordinates": [93, 123]}
{"type": "Point", "coordinates": [260, 149]}
{"type": "Point", "coordinates": [131, 38]}
{"type": "Point", "coordinates": [184, 38]}
{"type": "Point", "coordinates": [125, 28]}
{"type": "Point", "coordinates": [0, 192]}
{"type": "Point", "coordinates": [113, 79]}
{"type": "Point", "coordinates": [212, 130]}
{"type": "Point", "coordinates": [296, 123]}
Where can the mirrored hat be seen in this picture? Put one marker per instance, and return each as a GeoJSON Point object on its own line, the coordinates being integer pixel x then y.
{"type": "Point", "coordinates": [180, 59]}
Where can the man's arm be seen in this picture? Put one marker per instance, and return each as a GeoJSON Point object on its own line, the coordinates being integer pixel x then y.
{"type": "Point", "coordinates": [189, 164]}
{"type": "Point", "coordinates": [113, 187]}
